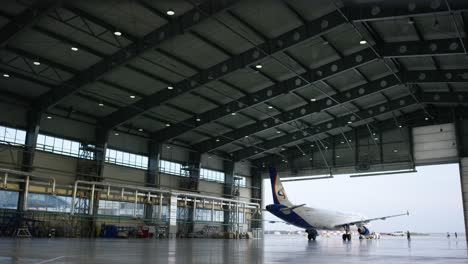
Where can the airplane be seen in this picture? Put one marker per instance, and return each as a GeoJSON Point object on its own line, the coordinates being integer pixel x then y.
{"type": "Point", "coordinates": [312, 219]}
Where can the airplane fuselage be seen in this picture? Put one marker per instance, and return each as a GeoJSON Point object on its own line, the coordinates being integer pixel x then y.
{"type": "Point", "coordinates": [313, 218]}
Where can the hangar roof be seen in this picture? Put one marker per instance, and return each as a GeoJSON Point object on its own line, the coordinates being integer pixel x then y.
{"type": "Point", "coordinates": [250, 80]}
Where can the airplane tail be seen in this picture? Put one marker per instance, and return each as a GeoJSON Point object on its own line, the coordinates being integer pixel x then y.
{"type": "Point", "coordinates": [279, 194]}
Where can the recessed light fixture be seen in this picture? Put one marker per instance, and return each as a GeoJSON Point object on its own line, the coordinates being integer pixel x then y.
{"type": "Point", "coordinates": [6, 75]}
{"type": "Point", "coordinates": [170, 12]}
{"type": "Point", "coordinates": [233, 113]}
{"type": "Point", "coordinates": [313, 99]}
{"type": "Point", "coordinates": [36, 63]}
{"type": "Point", "coordinates": [259, 66]}
{"type": "Point", "coordinates": [117, 33]}
{"type": "Point", "coordinates": [217, 140]}
{"type": "Point", "coordinates": [376, 138]}
{"type": "Point", "coordinates": [363, 42]}
{"type": "Point", "coordinates": [49, 117]}
{"type": "Point", "coordinates": [101, 104]}
{"type": "Point", "coordinates": [283, 149]}
{"type": "Point", "coordinates": [74, 48]}
{"type": "Point", "coordinates": [310, 158]}
{"type": "Point", "coordinates": [132, 96]}
{"type": "Point", "coordinates": [140, 129]}
{"type": "Point", "coordinates": [270, 107]}
{"type": "Point", "coordinates": [312, 146]}
{"type": "Point", "coordinates": [337, 156]}
{"type": "Point", "coordinates": [303, 154]}
{"type": "Point", "coordinates": [170, 87]}
{"type": "Point", "coordinates": [342, 142]}
{"type": "Point", "coordinates": [198, 119]}
{"type": "Point", "coordinates": [116, 134]}
{"type": "Point", "coordinates": [427, 118]}
{"type": "Point", "coordinates": [349, 122]}
{"type": "Point", "coordinates": [395, 150]}
{"type": "Point", "coordinates": [168, 147]}
{"type": "Point", "coordinates": [400, 126]}
{"type": "Point", "coordinates": [326, 147]}
{"type": "Point", "coordinates": [168, 125]}
{"type": "Point", "coordinates": [278, 132]}
{"type": "Point", "coordinates": [246, 136]}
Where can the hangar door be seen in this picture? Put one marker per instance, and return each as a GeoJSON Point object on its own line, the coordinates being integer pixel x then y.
{"type": "Point", "coordinates": [435, 144]}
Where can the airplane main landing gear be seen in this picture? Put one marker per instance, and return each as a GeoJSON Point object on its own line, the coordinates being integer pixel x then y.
{"type": "Point", "coordinates": [346, 235]}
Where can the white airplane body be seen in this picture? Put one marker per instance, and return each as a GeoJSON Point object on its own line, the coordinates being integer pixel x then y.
{"type": "Point", "coordinates": [312, 219]}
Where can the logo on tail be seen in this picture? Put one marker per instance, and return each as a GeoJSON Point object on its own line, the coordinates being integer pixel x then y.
{"type": "Point", "coordinates": [279, 195]}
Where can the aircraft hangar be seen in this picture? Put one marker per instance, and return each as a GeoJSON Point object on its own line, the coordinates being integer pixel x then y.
{"type": "Point", "coordinates": [160, 119]}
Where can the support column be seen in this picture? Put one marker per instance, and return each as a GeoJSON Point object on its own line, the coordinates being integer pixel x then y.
{"type": "Point", "coordinates": [33, 119]}
{"type": "Point", "coordinates": [228, 192]}
{"type": "Point", "coordinates": [461, 130]}
{"type": "Point", "coordinates": [257, 185]}
{"type": "Point", "coordinates": [102, 136]}
{"type": "Point", "coordinates": [152, 174]}
{"type": "Point", "coordinates": [195, 166]}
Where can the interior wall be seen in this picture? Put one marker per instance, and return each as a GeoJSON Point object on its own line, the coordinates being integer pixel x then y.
{"type": "Point", "coordinates": [63, 168]}
{"type": "Point", "coordinates": [122, 174]}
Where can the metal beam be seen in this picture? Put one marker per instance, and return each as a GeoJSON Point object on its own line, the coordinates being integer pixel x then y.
{"type": "Point", "coordinates": [123, 56]}
{"type": "Point", "coordinates": [323, 127]}
{"type": "Point", "coordinates": [438, 47]}
{"type": "Point", "coordinates": [25, 20]}
{"type": "Point", "coordinates": [349, 62]}
{"type": "Point", "coordinates": [401, 9]}
{"type": "Point", "coordinates": [410, 119]}
{"type": "Point", "coordinates": [293, 37]}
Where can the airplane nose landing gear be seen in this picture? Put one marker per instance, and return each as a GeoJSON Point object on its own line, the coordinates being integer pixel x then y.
{"type": "Point", "coordinates": [312, 234]}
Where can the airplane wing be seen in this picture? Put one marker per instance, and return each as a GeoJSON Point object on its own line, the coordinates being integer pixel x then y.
{"type": "Point", "coordinates": [365, 221]}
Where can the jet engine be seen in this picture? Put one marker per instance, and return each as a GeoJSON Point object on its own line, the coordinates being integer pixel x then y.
{"type": "Point", "coordinates": [363, 231]}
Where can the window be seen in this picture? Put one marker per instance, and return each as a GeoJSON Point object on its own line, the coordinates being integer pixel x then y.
{"type": "Point", "coordinates": [49, 203]}
{"type": "Point", "coordinates": [205, 215]}
{"type": "Point", "coordinates": [12, 136]}
{"type": "Point", "coordinates": [164, 212]}
{"type": "Point", "coordinates": [120, 208]}
{"type": "Point", "coordinates": [171, 168]}
{"type": "Point", "coordinates": [212, 175]}
{"type": "Point", "coordinates": [240, 181]}
{"type": "Point", "coordinates": [8, 199]}
{"type": "Point", "coordinates": [59, 146]}
{"type": "Point", "coordinates": [126, 159]}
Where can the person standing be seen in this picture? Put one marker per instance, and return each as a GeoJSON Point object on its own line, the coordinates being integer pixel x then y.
{"type": "Point", "coordinates": [408, 235]}
{"type": "Point", "coordinates": [448, 235]}
{"type": "Point", "coordinates": [456, 235]}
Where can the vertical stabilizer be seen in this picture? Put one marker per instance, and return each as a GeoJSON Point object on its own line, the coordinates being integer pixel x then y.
{"type": "Point", "coordinates": [279, 194]}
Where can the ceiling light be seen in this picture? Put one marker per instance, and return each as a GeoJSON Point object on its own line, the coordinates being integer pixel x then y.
{"type": "Point", "coordinates": [337, 156]}
{"type": "Point", "coordinates": [101, 104]}
{"type": "Point", "coordinates": [349, 140]}
{"type": "Point", "coordinates": [395, 150]}
{"type": "Point", "coordinates": [376, 138]}
{"type": "Point", "coordinates": [363, 42]}
{"type": "Point", "coordinates": [326, 147]}
{"type": "Point", "coordinates": [6, 75]}
{"type": "Point", "coordinates": [233, 113]}
{"type": "Point", "coordinates": [283, 149]}
{"type": "Point", "coordinates": [117, 33]}
{"type": "Point", "coordinates": [116, 134]}
{"type": "Point", "coordinates": [342, 142]}
{"type": "Point", "coordinates": [246, 136]}
{"type": "Point", "coordinates": [400, 126]}
{"type": "Point", "coordinates": [170, 87]}
{"type": "Point", "coordinates": [168, 125]}
{"type": "Point", "coordinates": [132, 96]}
{"type": "Point", "coordinates": [259, 66]}
{"type": "Point", "coordinates": [170, 12]}
{"type": "Point", "coordinates": [427, 118]}
{"type": "Point", "coordinates": [270, 107]}
{"type": "Point", "coordinates": [140, 129]}
{"type": "Point", "coordinates": [303, 154]}
{"type": "Point", "coordinates": [410, 21]}
{"type": "Point", "coordinates": [49, 117]}
{"type": "Point", "coordinates": [349, 122]}
{"type": "Point", "coordinates": [198, 119]}
{"type": "Point", "coordinates": [36, 63]}
{"type": "Point", "coordinates": [312, 146]}
{"type": "Point", "coordinates": [373, 134]}
{"type": "Point", "coordinates": [217, 140]}
{"type": "Point", "coordinates": [168, 147]}
{"type": "Point", "coordinates": [313, 99]}
{"type": "Point", "coordinates": [74, 48]}
{"type": "Point", "coordinates": [310, 158]}
{"type": "Point", "coordinates": [278, 132]}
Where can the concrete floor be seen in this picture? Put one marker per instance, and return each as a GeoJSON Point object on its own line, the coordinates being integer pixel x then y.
{"type": "Point", "coordinates": [273, 249]}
